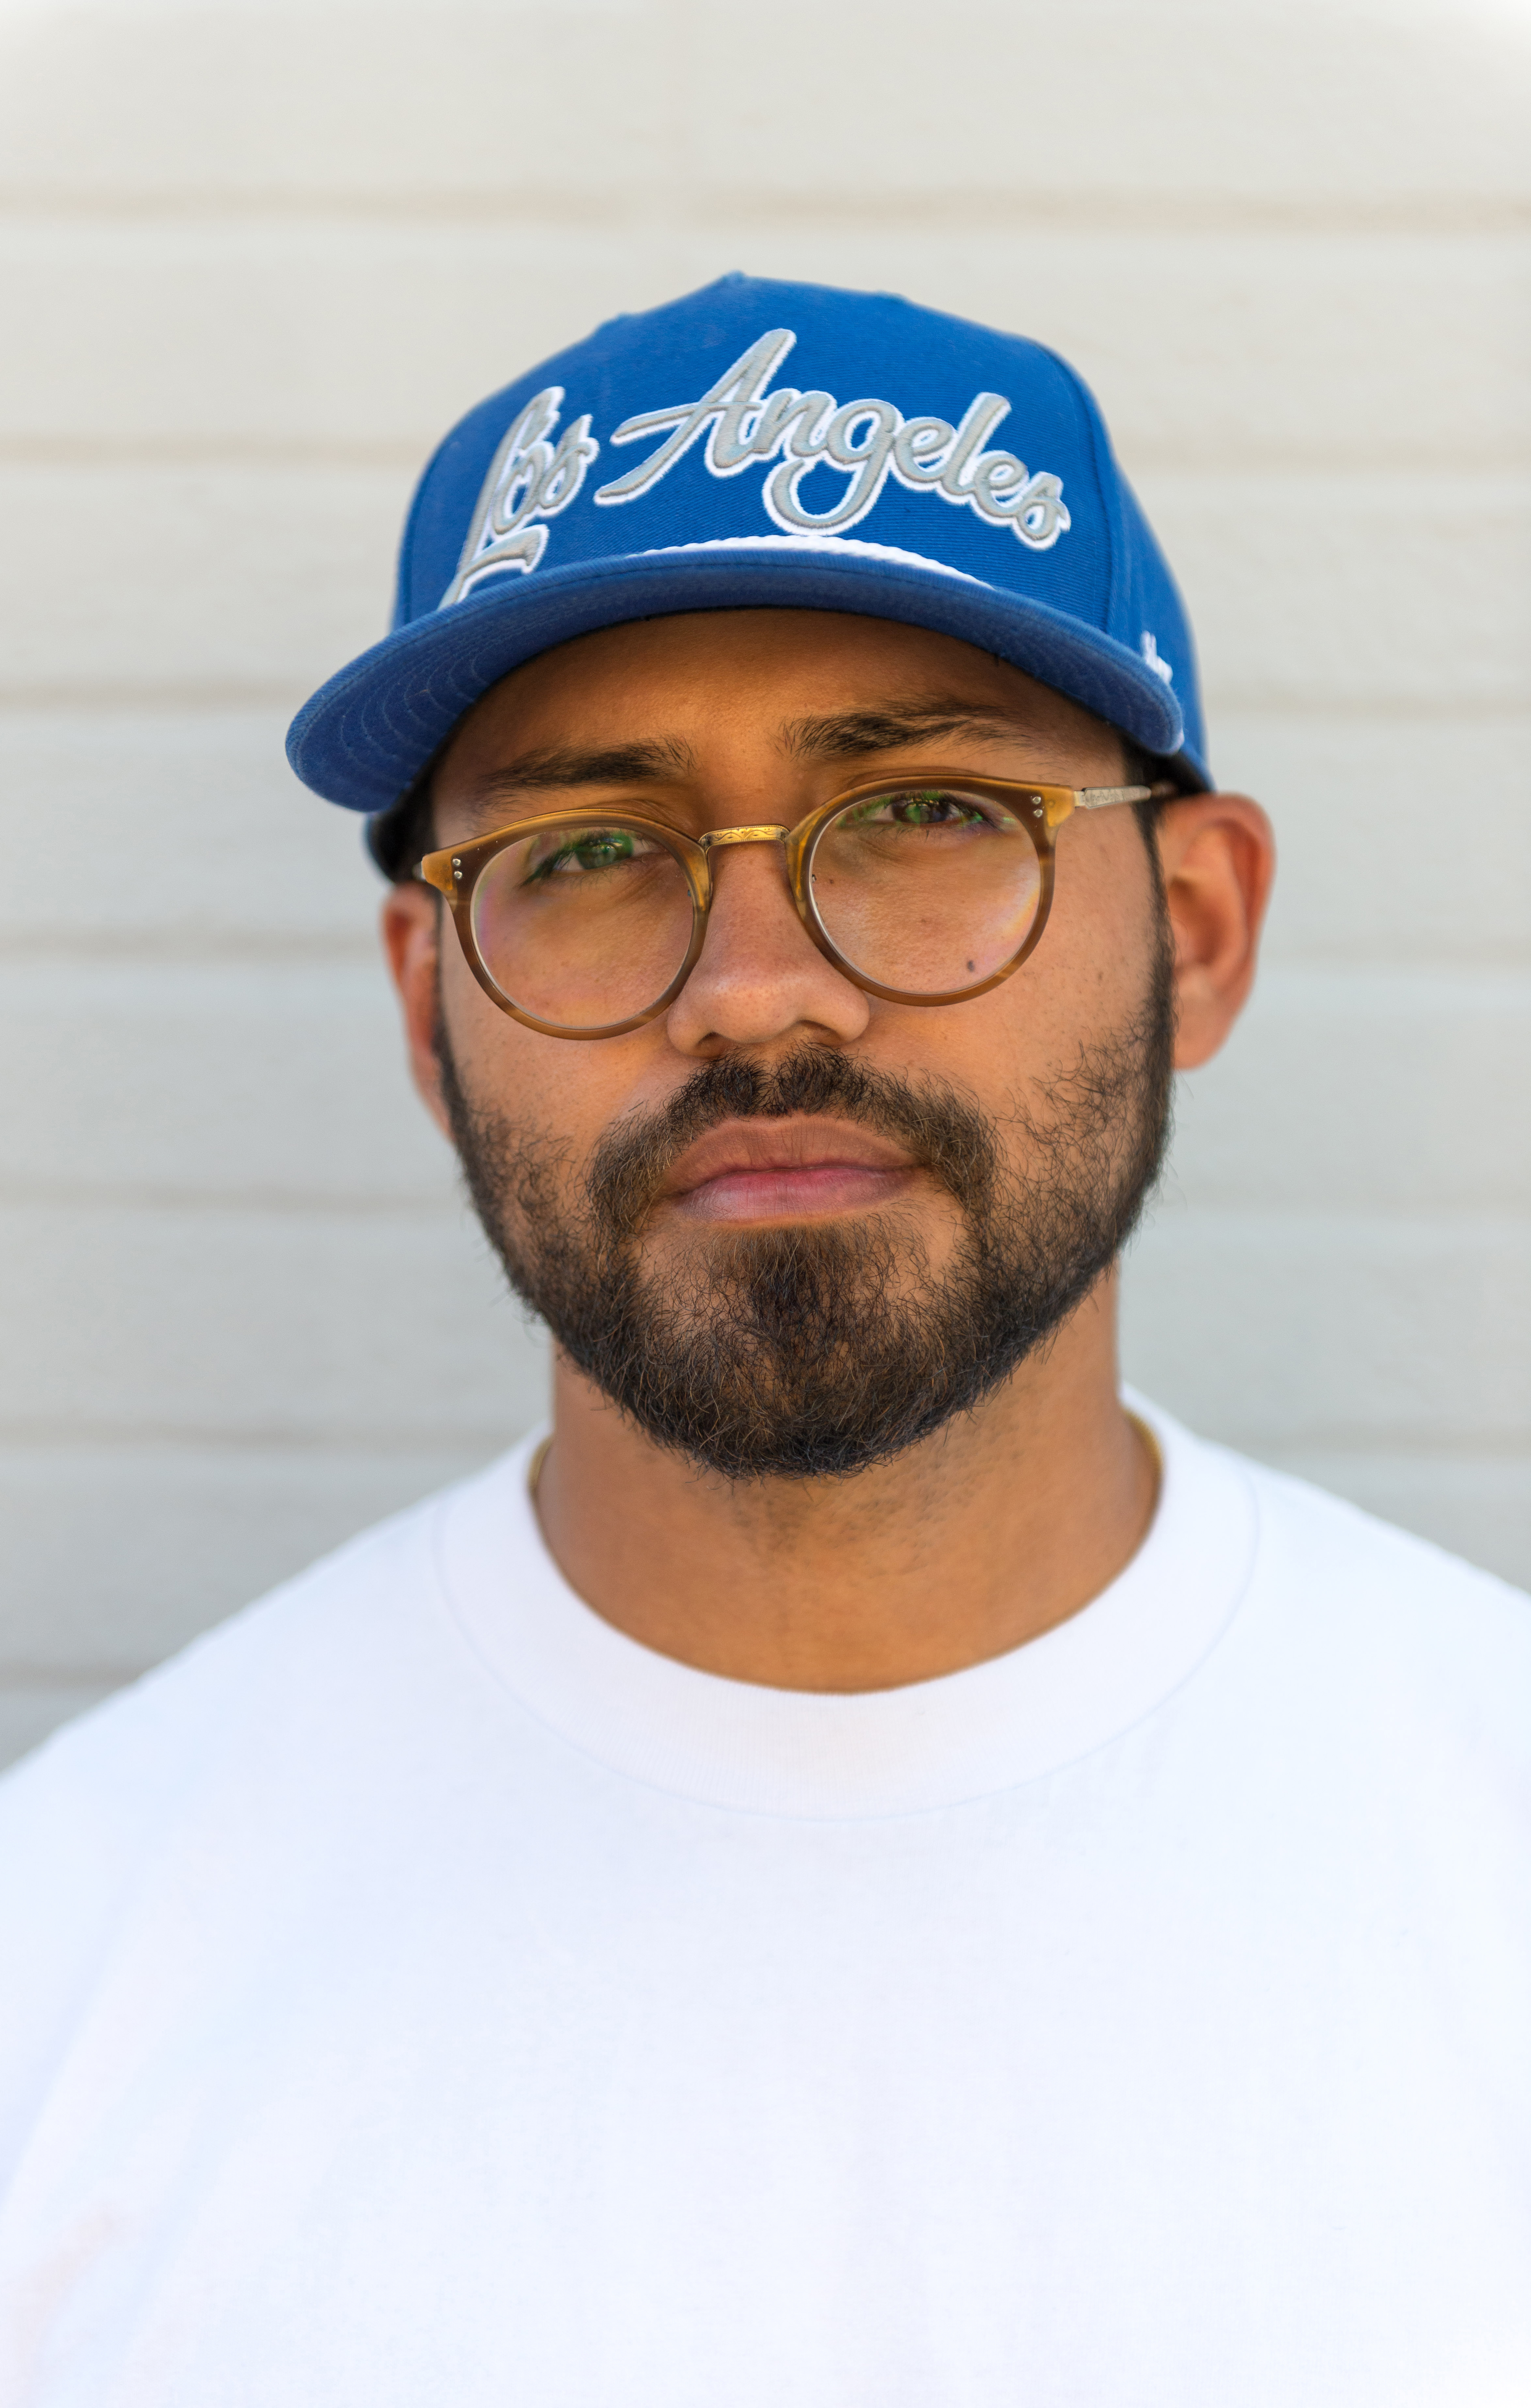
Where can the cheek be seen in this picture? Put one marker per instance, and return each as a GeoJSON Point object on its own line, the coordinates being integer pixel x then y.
{"type": "Point", "coordinates": [548, 1086]}
{"type": "Point", "coordinates": [1096, 962]}
{"type": "Point", "coordinates": [1086, 983]}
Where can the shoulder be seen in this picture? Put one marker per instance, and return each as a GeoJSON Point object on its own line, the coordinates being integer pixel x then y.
{"type": "Point", "coordinates": [321, 1667]}
{"type": "Point", "coordinates": [255, 1768]}
{"type": "Point", "coordinates": [1411, 1645]}
{"type": "Point", "coordinates": [1376, 1568]}
{"type": "Point", "coordinates": [1343, 1622]}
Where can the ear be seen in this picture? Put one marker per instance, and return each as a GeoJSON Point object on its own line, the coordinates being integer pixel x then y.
{"type": "Point", "coordinates": [1217, 855]}
{"type": "Point", "coordinates": [411, 931]}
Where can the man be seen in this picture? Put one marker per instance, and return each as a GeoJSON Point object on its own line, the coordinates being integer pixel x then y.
{"type": "Point", "coordinates": [867, 1869]}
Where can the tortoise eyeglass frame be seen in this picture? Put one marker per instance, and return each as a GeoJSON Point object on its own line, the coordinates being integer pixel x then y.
{"type": "Point", "coordinates": [453, 871]}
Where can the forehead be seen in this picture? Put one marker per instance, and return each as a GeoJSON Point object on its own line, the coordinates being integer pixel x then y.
{"type": "Point", "coordinates": [726, 677]}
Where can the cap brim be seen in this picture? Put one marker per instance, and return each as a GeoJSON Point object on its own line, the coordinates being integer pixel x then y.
{"type": "Point", "coordinates": [364, 738]}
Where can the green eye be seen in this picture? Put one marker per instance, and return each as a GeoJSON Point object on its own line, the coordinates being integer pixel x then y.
{"type": "Point", "coordinates": [592, 849]}
{"type": "Point", "coordinates": [931, 810]}
{"type": "Point", "coordinates": [933, 807]}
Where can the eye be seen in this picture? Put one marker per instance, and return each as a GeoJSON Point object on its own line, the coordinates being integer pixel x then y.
{"type": "Point", "coordinates": [930, 807]}
{"type": "Point", "coordinates": [575, 852]}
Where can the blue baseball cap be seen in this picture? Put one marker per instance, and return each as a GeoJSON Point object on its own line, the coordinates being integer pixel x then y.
{"type": "Point", "coordinates": [764, 443]}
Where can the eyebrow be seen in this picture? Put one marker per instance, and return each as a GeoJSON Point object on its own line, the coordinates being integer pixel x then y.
{"type": "Point", "coordinates": [845, 735]}
{"type": "Point", "coordinates": [842, 735]}
{"type": "Point", "coordinates": [555, 766]}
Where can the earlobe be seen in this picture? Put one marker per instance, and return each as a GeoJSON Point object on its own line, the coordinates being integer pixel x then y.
{"type": "Point", "coordinates": [1218, 856]}
{"type": "Point", "coordinates": [411, 922]}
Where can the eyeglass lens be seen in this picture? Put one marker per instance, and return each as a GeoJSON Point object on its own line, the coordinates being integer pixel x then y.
{"type": "Point", "coordinates": [582, 927]}
{"type": "Point", "coordinates": [928, 892]}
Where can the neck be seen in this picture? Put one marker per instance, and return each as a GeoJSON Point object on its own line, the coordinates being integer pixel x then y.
{"type": "Point", "coordinates": [999, 1527]}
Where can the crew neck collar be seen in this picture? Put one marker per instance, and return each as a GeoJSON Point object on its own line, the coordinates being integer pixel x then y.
{"type": "Point", "coordinates": [805, 1754]}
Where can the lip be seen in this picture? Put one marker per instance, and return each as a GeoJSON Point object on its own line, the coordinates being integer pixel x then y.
{"type": "Point", "coordinates": [795, 1170]}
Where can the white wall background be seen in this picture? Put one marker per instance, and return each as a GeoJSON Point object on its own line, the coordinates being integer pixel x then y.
{"type": "Point", "coordinates": [254, 259]}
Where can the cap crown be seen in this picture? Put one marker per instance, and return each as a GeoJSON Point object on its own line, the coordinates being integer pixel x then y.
{"type": "Point", "coordinates": [761, 441]}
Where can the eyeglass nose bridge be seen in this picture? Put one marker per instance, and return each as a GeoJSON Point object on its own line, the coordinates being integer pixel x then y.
{"type": "Point", "coordinates": [715, 836]}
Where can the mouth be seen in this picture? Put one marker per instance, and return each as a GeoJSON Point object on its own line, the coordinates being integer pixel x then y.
{"type": "Point", "coordinates": [801, 1169]}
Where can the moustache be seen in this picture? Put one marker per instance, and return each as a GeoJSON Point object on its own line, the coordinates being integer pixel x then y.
{"type": "Point", "coordinates": [943, 1132]}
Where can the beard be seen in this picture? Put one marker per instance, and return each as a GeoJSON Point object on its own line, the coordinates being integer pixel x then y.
{"type": "Point", "coordinates": [814, 1352]}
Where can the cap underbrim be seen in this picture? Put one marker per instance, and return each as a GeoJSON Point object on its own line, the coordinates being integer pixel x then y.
{"type": "Point", "coordinates": [364, 738]}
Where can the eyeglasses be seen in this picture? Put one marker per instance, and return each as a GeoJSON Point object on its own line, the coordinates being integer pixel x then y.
{"type": "Point", "coordinates": [920, 890]}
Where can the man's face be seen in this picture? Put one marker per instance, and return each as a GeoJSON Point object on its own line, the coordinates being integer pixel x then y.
{"type": "Point", "coordinates": [789, 1228]}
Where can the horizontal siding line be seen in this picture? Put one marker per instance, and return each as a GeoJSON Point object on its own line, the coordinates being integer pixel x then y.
{"type": "Point", "coordinates": [1506, 1456]}
{"type": "Point", "coordinates": [696, 208]}
{"type": "Point", "coordinates": [1475, 977]}
{"type": "Point", "coordinates": [1458, 1224]}
{"type": "Point", "coordinates": [1364, 475]}
{"type": "Point", "coordinates": [138, 698]}
{"type": "Point", "coordinates": [1156, 456]}
{"type": "Point", "coordinates": [56, 705]}
{"type": "Point", "coordinates": [21, 1675]}
{"type": "Point", "coordinates": [1217, 1197]}
{"type": "Point", "coordinates": [1504, 1451]}
{"type": "Point", "coordinates": [1498, 1453]}
{"type": "Point", "coordinates": [1253, 714]}
{"type": "Point", "coordinates": [1207, 214]}
{"type": "Point", "coordinates": [173, 948]}
{"type": "Point", "coordinates": [1477, 980]}
{"type": "Point", "coordinates": [545, 209]}
{"type": "Point", "coordinates": [23, 1449]}
{"type": "Point", "coordinates": [1499, 1448]}
{"type": "Point", "coordinates": [1283, 959]}
{"type": "Point", "coordinates": [270, 1204]}
{"type": "Point", "coordinates": [389, 1443]}
{"type": "Point", "coordinates": [1465, 1223]}
{"type": "Point", "coordinates": [22, 1679]}
{"type": "Point", "coordinates": [192, 451]}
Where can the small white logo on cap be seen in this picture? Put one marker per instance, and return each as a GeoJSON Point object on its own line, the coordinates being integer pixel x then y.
{"type": "Point", "coordinates": [1150, 653]}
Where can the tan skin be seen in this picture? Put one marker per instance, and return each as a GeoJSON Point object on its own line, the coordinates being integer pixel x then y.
{"type": "Point", "coordinates": [1011, 1518]}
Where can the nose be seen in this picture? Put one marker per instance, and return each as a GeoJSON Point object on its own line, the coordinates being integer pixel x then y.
{"type": "Point", "coordinates": [760, 978]}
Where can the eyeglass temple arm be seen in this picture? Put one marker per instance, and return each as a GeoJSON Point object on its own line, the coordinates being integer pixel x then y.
{"type": "Point", "coordinates": [1100, 798]}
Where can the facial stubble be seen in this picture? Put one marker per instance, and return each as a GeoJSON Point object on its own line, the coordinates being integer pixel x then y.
{"type": "Point", "coordinates": [816, 1351]}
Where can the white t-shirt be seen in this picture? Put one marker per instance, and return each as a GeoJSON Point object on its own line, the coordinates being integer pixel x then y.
{"type": "Point", "coordinates": [419, 1993]}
